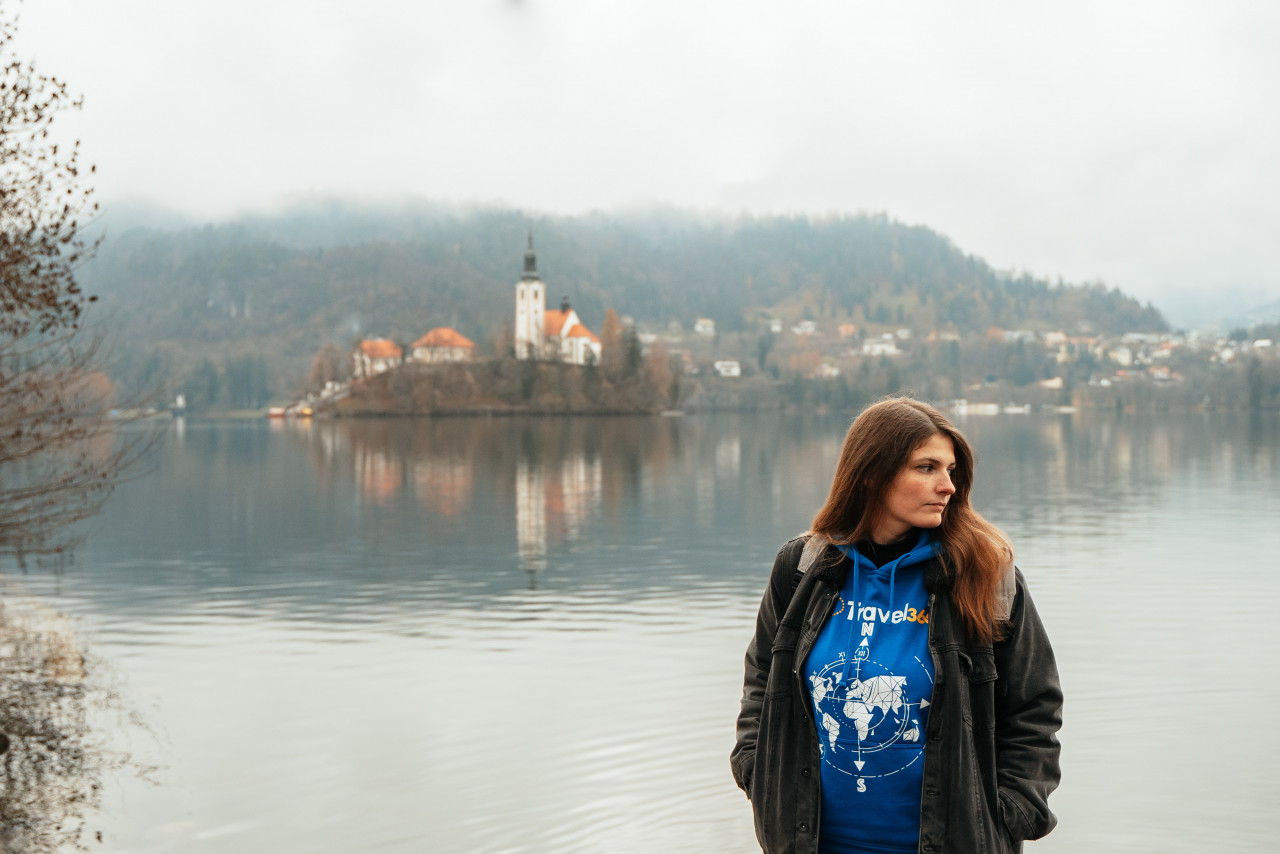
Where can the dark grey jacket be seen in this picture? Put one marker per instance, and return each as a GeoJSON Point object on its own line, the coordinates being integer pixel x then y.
{"type": "Point", "coordinates": [991, 754]}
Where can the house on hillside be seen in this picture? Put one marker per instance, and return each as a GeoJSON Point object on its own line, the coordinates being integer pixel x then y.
{"type": "Point", "coordinates": [1121, 356]}
{"type": "Point", "coordinates": [442, 344]}
{"type": "Point", "coordinates": [885, 345]}
{"type": "Point", "coordinates": [542, 333]}
{"type": "Point", "coordinates": [373, 356]}
{"type": "Point", "coordinates": [728, 367]}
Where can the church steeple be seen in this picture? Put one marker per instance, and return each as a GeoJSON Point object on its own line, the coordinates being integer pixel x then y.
{"type": "Point", "coordinates": [530, 261]}
{"type": "Point", "coordinates": [531, 308]}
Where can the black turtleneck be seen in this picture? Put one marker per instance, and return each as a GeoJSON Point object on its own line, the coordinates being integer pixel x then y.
{"type": "Point", "coordinates": [882, 553]}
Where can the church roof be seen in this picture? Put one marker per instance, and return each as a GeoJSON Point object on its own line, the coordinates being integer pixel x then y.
{"type": "Point", "coordinates": [580, 331]}
{"type": "Point", "coordinates": [553, 321]}
{"type": "Point", "coordinates": [379, 348]}
{"type": "Point", "coordinates": [443, 336]}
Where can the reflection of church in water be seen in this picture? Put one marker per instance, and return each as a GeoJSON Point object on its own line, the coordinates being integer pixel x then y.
{"type": "Point", "coordinates": [553, 501]}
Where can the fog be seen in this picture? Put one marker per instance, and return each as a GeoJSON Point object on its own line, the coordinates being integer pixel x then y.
{"type": "Point", "coordinates": [1127, 143]}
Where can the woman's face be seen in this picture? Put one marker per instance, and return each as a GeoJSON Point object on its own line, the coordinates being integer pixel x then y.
{"type": "Point", "coordinates": [919, 492]}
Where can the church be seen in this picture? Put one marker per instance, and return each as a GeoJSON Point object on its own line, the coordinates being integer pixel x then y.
{"type": "Point", "coordinates": [556, 335]}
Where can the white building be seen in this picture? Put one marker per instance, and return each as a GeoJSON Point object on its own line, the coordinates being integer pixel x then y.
{"type": "Point", "coordinates": [885, 345]}
{"type": "Point", "coordinates": [567, 339]}
{"type": "Point", "coordinates": [704, 326]}
{"type": "Point", "coordinates": [373, 356]}
{"type": "Point", "coordinates": [442, 345]}
{"type": "Point", "coordinates": [728, 368]}
{"type": "Point", "coordinates": [1121, 356]}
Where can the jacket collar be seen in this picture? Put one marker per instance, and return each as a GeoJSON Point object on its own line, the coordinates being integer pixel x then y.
{"type": "Point", "coordinates": [938, 577]}
{"type": "Point", "coordinates": [832, 567]}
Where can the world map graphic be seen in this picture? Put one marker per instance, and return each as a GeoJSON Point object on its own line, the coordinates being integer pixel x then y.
{"type": "Point", "coordinates": [868, 714]}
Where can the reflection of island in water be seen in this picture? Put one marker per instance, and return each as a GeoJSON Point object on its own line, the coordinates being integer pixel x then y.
{"type": "Point", "coordinates": [520, 490]}
{"type": "Point", "coordinates": [550, 475]}
{"type": "Point", "coordinates": [55, 763]}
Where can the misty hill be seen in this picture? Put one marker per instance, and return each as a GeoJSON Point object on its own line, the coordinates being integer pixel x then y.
{"type": "Point", "coordinates": [264, 294]}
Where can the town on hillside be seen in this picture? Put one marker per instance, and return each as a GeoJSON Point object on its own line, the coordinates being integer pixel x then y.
{"type": "Point", "coordinates": [552, 361]}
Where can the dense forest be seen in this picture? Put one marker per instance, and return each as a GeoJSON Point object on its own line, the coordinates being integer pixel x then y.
{"type": "Point", "coordinates": [235, 312]}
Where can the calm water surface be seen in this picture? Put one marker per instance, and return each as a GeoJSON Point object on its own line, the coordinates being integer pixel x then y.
{"type": "Point", "coordinates": [517, 635]}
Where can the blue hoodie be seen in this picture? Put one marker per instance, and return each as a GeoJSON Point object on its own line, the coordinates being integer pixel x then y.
{"type": "Point", "coordinates": [870, 680]}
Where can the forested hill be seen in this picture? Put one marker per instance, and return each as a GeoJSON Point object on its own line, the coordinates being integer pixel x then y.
{"type": "Point", "coordinates": [279, 288]}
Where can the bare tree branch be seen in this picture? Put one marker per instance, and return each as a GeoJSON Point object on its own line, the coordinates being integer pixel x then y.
{"type": "Point", "coordinates": [61, 452]}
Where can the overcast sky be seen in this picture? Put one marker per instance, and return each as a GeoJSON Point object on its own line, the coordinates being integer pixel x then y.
{"type": "Point", "coordinates": [1135, 143]}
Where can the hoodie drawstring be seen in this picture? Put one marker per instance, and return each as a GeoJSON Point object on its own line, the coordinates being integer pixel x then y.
{"type": "Point", "coordinates": [855, 617]}
{"type": "Point", "coordinates": [853, 620]}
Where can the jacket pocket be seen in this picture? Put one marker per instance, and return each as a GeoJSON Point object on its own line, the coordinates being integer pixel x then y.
{"type": "Point", "coordinates": [773, 790]}
{"type": "Point", "coordinates": [979, 665]}
{"type": "Point", "coordinates": [978, 688]}
{"type": "Point", "coordinates": [1012, 821]}
{"type": "Point", "coordinates": [1009, 841]}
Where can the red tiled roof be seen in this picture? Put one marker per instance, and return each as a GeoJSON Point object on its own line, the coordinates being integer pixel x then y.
{"type": "Point", "coordinates": [553, 321]}
{"type": "Point", "coordinates": [379, 348]}
{"type": "Point", "coordinates": [443, 336]}
{"type": "Point", "coordinates": [580, 331]}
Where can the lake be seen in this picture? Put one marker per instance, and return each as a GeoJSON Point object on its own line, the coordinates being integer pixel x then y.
{"type": "Point", "coordinates": [526, 635]}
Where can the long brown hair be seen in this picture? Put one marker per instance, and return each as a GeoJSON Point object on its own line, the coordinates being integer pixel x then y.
{"type": "Point", "coordinates": [876, 448]}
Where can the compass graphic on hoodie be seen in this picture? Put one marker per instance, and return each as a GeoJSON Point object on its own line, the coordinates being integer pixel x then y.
{"type": "Point", "coordinates": [870, 679]}
{"type": "Point", "coordinates": [869, 712]}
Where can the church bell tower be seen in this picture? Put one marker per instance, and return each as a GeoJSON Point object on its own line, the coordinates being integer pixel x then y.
{"type": "Point", "coordinates": [531, 306]}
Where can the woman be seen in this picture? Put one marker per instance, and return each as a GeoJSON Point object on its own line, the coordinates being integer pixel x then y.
{"type": "Point", "coordinates": [900, 692]}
